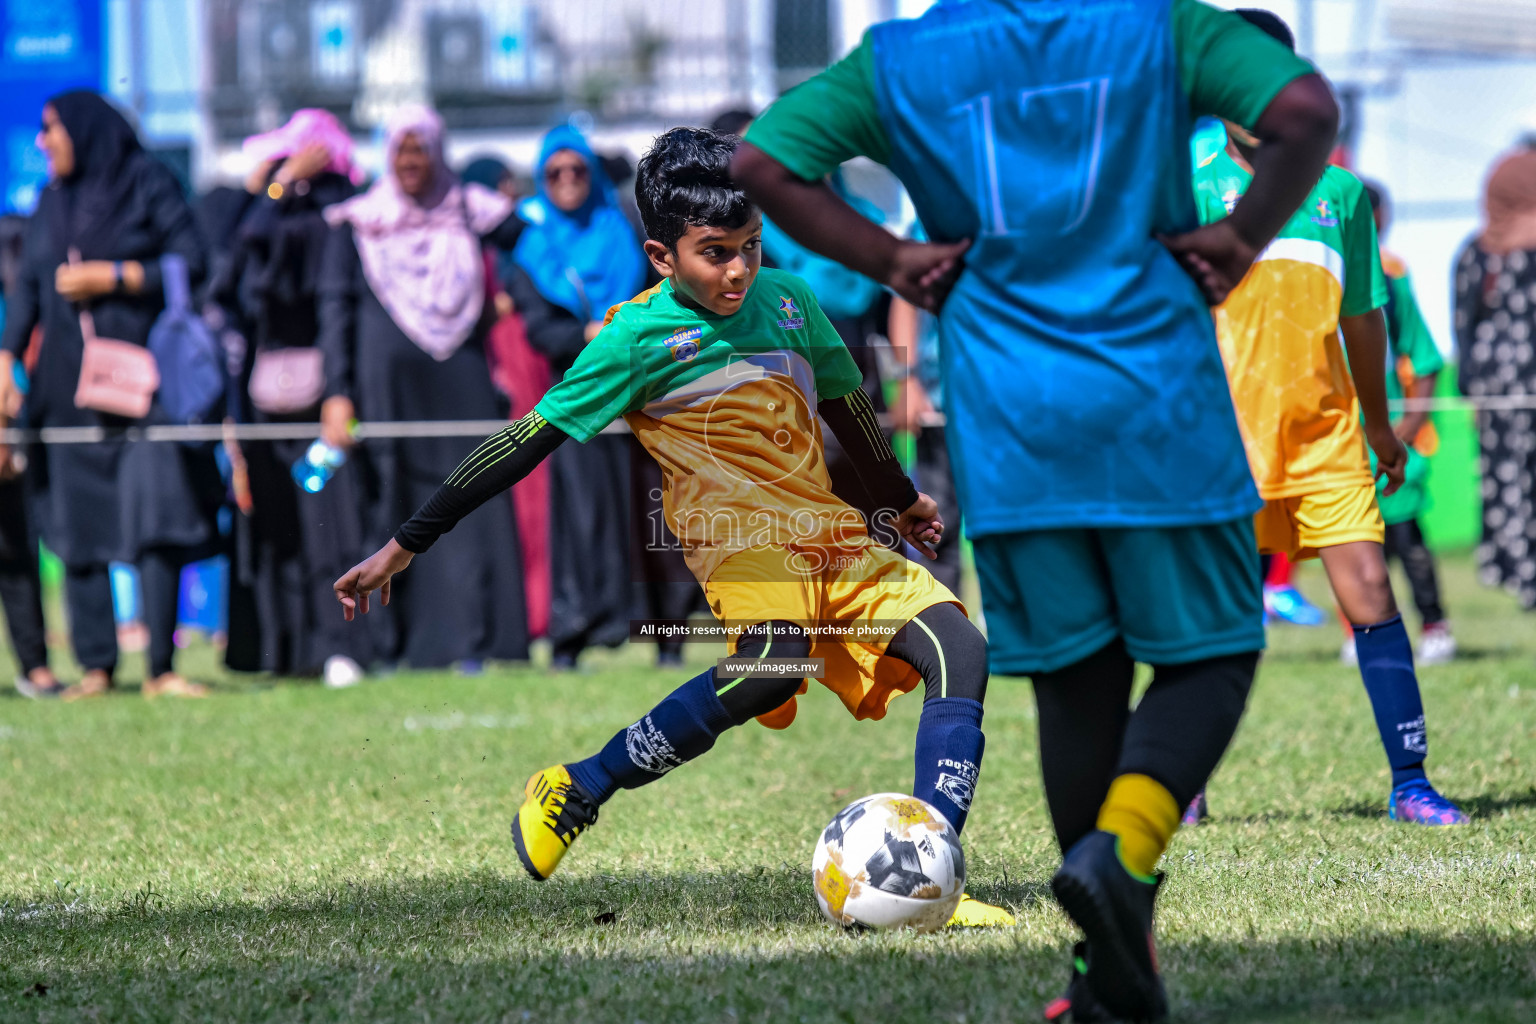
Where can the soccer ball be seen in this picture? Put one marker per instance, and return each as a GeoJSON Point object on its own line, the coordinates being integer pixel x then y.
{"type": "Point", "coordinates": [889, 861]}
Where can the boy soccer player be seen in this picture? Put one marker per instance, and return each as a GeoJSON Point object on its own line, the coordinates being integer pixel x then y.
{"type": "Point", "coordinates": [1279, 332]}
{"type": "Point", "coordinates": [1046, 143]}
{"type": "Point", "coordinates": [1415, 365]}
{"type": "Point", "coordinates": [720, 372]}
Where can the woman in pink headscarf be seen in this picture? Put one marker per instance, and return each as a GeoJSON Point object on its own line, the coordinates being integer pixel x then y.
{"type": "Point", "coordinates": [403, 318]}
{"type": "Point", "coordinates": [289, 544]}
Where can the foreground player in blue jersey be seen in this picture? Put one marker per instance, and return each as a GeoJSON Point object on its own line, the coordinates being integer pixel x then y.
{"type": "Point", "coordinates": [1045, 145]}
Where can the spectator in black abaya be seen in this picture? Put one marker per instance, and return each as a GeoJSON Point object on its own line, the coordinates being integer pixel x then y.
{"type": "Point", "coordinates": [289, 543]}
{"type": "Point", "coordinates": [579, 256]}
{"type": "Point", "coordinates": [218, 212]}
{"type": "Point", "coordinates": [403, 318]}
{"type": "Point", "coordinates": [146, 503]}
{"type": "Point", "coordinates": [21, 590]}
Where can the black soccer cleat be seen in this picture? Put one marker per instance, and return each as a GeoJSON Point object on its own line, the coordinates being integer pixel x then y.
{"type": "Point", "coordinates": [1114, 910]}
{"type": "Point", "coordinates": [1078, 1004]}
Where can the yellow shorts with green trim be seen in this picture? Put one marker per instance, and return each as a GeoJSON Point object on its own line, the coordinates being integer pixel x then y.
{"type": "Point", "coordinates": [827, 587]}
{"type": "Point", "coordinates": [1301, 526]}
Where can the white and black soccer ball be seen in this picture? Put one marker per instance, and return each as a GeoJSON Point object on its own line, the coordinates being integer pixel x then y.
{"type": "Point", "coordinates": [889, 861]}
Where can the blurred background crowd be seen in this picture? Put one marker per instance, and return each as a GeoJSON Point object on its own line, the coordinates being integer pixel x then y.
{"type": "Point", "coordinates": [315, 213]}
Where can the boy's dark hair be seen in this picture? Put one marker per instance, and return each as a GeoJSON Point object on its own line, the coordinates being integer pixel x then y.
{"type": "Point", "coordinates": [733, 121]}
{"type": "Point", "coordinates": [1270, 24]}
{"type": "Point", "coordinates": [685, 179]}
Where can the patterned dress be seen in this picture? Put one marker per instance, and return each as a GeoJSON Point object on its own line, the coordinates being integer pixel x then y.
{"type": "Point", "coordinates": [1496, 334]}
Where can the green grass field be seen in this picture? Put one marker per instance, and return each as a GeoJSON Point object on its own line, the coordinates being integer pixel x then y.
{"type": "Point", "coordinates": [285, 853]}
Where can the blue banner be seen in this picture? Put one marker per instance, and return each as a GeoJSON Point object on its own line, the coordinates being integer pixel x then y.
{"type": "Point", "coordinates": [46, 46]}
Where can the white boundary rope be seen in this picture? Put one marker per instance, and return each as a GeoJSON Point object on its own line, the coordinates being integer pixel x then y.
{"type": "Point", "coordinates": [1508, 403]}
{"type": "Point", "coordinates": [480, 428]}
{"type": "Point", "coordinates": [250, 432]}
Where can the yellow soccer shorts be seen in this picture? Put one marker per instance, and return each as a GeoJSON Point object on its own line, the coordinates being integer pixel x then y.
{"type": "Point", "coordinates": [831, 593]}
{"type": "Point", "coordinates": [1301, 526]}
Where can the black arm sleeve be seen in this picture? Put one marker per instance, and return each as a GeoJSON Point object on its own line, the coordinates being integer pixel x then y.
{"type": "Point", "coordinates": [852, 419]}
{"type": "Point", "coordinates": [502, 460]}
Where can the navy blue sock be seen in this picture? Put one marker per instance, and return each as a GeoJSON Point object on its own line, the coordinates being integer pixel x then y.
{"type": "Point", "coordinates": [1386, 665]}
{"type": "Point", "coordinates": [680, 728]}
{"type": "Point", "coordinates": [948, 757]}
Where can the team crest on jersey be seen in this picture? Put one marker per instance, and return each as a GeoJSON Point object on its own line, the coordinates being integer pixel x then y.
{"type": "Point", "coordinates": [1229, 199]}
{"type": "Point", "coordinates": [684, 345]}
{"type": "Point", "coordinates": [1324, 217]}
{"type": "Point", "coordinates": [792, 320]}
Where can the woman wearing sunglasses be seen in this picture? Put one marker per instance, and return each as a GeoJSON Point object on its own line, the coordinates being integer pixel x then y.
{"type": "Point", "coordinates": [577, 257]}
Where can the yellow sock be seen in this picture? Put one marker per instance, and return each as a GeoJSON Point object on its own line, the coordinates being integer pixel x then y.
{"type": "Point", "coordinates": [1144, 816]}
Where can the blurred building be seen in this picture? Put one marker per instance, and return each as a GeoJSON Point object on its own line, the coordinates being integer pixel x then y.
{"type": "Point", "coordinates": [205, 73]}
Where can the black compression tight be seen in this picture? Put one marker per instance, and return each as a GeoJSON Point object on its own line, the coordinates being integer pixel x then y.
{"type": "Point", "coordinates": [1176, 735]}
{"type": "Point", "coordinates": [746, 698]}
{"type": "Point", "coordinates": [1186, 720]}
{"type": "Point", "coordinates": [947, 650]}
{"type": "Point", "coordinates": [940, 642]}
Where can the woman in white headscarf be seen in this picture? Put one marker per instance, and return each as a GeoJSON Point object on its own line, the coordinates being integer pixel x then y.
{"type": "Point", "coordinates": [403, 318]}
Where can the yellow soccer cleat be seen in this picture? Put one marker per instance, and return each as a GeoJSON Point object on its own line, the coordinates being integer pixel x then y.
{"type": "Point", "coordinates": [972, 913]}
{"type": "Point", "coordinates": [554, 812]}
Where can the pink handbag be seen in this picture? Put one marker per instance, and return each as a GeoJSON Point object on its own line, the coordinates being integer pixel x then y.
{"type": "Point", "coordinates": [285, 381]}
{"type": "Point", "coordinates": [116, 377]}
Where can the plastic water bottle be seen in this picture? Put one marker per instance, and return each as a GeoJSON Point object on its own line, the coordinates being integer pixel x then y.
{"type": "Point", "coordinates": [318, 464]}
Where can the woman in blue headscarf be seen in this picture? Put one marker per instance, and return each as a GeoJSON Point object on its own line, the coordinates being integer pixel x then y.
{"type": "Point", "coordinates": [577, 257]}
{"type": "Point", "coordinates": [579, 251]}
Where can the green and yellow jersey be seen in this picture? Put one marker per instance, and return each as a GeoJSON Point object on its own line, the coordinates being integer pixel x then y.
{"type": "Point", "coordinates": [1413, 354]}
{"type": "Point", "coordinates": [1279, 332]}
{"type": "Point", "coordinates": [727, 407]}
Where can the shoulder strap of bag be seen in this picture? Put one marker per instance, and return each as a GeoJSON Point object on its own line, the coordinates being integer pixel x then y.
{"type": "Point", "coordinates": [173, 273]}
{"type": "Point", "coordinates": [87, 323]}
